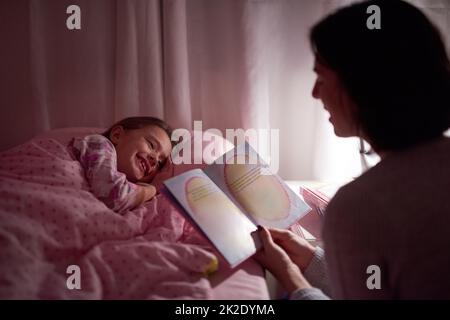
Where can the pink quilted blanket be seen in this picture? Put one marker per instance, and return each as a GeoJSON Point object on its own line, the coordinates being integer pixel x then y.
{"type": "Point", "coordinates": [57, 241]}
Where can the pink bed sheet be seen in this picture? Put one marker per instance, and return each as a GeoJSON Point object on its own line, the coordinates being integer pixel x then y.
{"type": "Point", "coordinates": [49, 221]}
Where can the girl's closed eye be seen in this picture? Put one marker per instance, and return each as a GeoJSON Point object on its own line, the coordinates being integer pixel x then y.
{"type": "Point", "coordinates": [151, 144]}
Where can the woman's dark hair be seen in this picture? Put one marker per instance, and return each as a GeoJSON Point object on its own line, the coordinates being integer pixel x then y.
{"type": "Point", "coordinates": [398, 76]}
{"type": "Point", "coordinates": [132, 123]}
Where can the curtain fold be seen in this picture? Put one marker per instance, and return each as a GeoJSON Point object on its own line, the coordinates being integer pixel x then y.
{"type": "Point", "coordinates": [176, 64]}
{"type": "Point", "coordinates": [138, 59]}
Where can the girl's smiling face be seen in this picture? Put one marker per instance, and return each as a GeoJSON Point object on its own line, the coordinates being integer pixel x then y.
{"type": "Point", "coordinates": [141, 152]}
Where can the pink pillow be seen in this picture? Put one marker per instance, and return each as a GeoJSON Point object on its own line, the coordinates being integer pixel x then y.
{"type": "Point", "coordinates": [64, 135]}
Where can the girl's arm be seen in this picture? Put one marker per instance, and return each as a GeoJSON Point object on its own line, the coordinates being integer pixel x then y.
{"type": "Point", "coordinates": [98, 158]}
{"type": "Point", "coordinates": [145, 192]}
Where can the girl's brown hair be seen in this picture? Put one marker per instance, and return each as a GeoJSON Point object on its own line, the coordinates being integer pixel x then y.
{"type": "Point", "coordinates": [133, 123]}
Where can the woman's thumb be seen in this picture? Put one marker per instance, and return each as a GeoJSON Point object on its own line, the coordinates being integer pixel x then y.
{"type": "Point", "coordinates": [265, 237]}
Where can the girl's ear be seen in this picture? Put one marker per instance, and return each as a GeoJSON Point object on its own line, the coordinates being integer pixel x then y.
{"type": "Point", "coordinates": [116, 134]}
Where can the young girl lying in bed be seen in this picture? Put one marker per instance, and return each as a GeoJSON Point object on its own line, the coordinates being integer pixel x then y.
{"type": "Point", "coordinates": [121, 163]}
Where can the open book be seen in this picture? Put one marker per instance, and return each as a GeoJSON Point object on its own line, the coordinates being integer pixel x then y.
{"type": "Point", "coordinates": [231, 197]}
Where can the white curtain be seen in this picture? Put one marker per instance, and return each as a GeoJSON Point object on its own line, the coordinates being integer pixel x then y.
{"type": "Point", "coordinates": [229, 63]}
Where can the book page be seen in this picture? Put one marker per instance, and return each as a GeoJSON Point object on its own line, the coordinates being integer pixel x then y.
{"type": "Point", "coordinates": [264, 197]}
{"type": "Point", "coordinates": [217, 216]}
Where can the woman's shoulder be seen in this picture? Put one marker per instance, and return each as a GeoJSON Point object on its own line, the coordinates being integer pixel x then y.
{"type": "Point", "coordinates": [385, 184]}
{"type": "Point", "coordinates": [358, 190]}
{"type": "Point", "coordinates": [349, 198]}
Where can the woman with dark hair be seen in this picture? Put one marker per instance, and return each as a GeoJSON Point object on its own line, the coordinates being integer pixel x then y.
{"type": "Point", "coordinates": [386, 233]}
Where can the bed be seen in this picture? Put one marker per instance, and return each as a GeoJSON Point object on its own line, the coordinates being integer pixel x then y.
{"type": "Point", "coordinates": [50, 223]}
